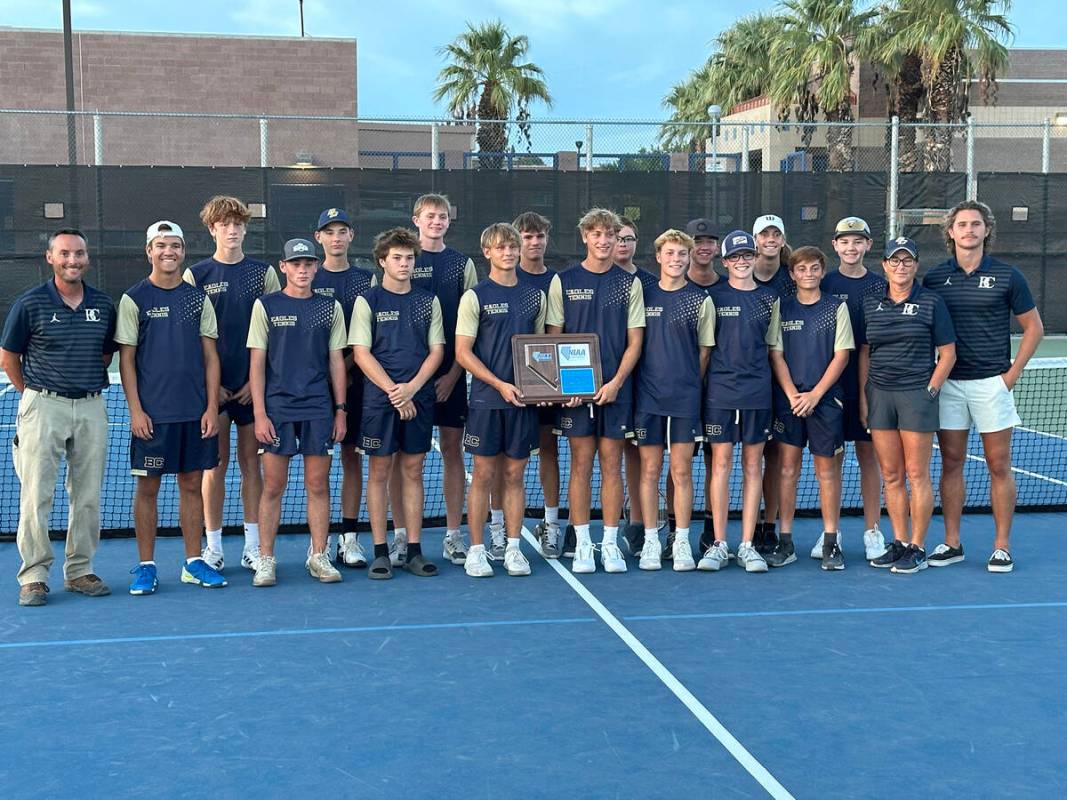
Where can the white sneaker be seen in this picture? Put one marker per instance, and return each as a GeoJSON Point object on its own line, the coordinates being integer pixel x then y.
{"type": "Point", "coordinates": [213, 558]}
{"type": "Point", "coordinates": [612, 558]}
{"type": "Point", "coordinates": [320, 566]}
{"type": "Point", "coordinates": [750, 559]}
{"type": "Point", "coordinates": [715, 557]}
{"type": "Point", "coordinates": [683, 555]}
{"type": "Point", "coordinates": [816, 549]}
{"type": "Point", "coordinates": [584, 560]}
{"type": "Point", "coordinates": [476, 564]}
{"type": "Point", "coordinates": [651, 554]}
{"type": "Point", "coordinates": [498, 542]}
{"type": "Point", "coordinates": [515, 562]}
{"type": "Point", "coordinates": [350, 551]}
{"type": "Point", "coordinates": [249, 557]}
{"type": "Point", "coordinates": [873, 543]}
{"type": "Point", "coordinates": [398, 549]}
{"type": "Point", "coordinates": [265, 571]}
{"type": "Point", "coordinates": [455, 547]}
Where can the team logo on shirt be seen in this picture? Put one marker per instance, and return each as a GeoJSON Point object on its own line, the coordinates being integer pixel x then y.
{"type": "Point", "coordinates": [159, 312]}
{"type": "Point", "coordinates": [326, 291]}
{"type": "Point", "coordinates": [54, 317]}
{"type": "Point", "coordinates": [792, 325]}
{"type": "Point", "coordinates": [986, 281]}
{"type": "Point", "coordinates": [284, 321]}
{"type": "Point", "coordinates": [219, 287]}
{"type": "Point", "coordinates": [495, 308]}
{"type": "Point", "coordinates": [910, 309]}
{"type": "Point", "coordinates": [653, 311]}
{"type": "Point", "coordinates": [92, 315]}
{"type": "Point", "coordinates": [579, 294]}
{"type": "Point", "coordinates": [387, 316]}
{"type": "Point", "coordinates": [425, 272]}
{"type": "Point", "coordinates": [728, 311]}
{"type": "Point", "coordinates": [948, 281]}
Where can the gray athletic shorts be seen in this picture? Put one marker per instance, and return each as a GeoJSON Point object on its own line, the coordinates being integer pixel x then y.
{"type": "Point", "coordinates": [901, 410]}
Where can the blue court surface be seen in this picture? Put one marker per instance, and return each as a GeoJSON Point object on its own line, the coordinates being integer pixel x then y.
{"type": "Point", "coordinates": [796, 683]}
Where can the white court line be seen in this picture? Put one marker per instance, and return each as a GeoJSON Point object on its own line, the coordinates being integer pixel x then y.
{"type": "Point", "coordinates": [678, 689]}
{"type": "Point", "coordinates": [1041, 433]}
{"type": "Point", "coordinates": [7, 388]}
{"type": "Point", "coordinates": [1026, 472]}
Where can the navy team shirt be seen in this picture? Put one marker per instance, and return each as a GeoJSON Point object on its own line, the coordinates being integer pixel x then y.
{"type": "Point", "coordinates": [812, 333]}
{"type": "Point", "coordinates": [541, 280]}
{"type": "Point", "coordinates": [677, 324]}
{"type": "Point", "coordinates": [982, 305]}
{"type": "Point", "coordinates": [853, 291]}
{"type": "Point", "coordinates": [491, 314]}
{"type": "Point", "coordinates": [165, 325]}
{"type": "Point", "coordinates": [232, 290]}
{"type": "Point", "coordinates": [344, 286]}
{"type": "Point", "coordinates": [780, 282]}
{"type": "Point", "coordinates": [903, 337]}
{"type": "Point", "coordinates": [447, 274]}
{"type": "Point", "coordinates": [62, 348]}
{"type": "Point", "coordinates": [746, 324]}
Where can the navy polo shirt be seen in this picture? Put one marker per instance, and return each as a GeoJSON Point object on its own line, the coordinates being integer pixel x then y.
{"type": "Point", "coordinates": [903, 336]}
{"type": "Point", "coordinates": [62, 348]}
{"type": "Point", "coordinates": [982, 304]}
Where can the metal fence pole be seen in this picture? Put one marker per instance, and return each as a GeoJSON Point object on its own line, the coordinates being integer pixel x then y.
{"type": "Point", "coordinates": [1046, 147]}
{"type": "Point", "coordinates": [589, 147]}
{"type": "Point", "coordinates": [972, 176]}
{"type": "Point", "coordinates": [435, 145]}
{"type": "Point", "coordinates": [98, 140]}
{"type": "Point", "coordinates": [744, 148]}
{"type": "Point", "coordinates": [264, 142]}
{"type": "Point", "coordinates": [894, 176]}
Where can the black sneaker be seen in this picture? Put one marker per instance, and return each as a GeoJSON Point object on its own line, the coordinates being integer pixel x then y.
{"type": "Point", "coordinates": [781, 555]}
{"type": "Point", "coordinates": [894, 551]}
{"type": "Point", "coordinates": [913, 560]}
{"type": "Point", "coordinates": [668, 548]}
{"type": "Point", "coordinates": [769, 541]}
{"type": "Point", "coordinates": [1000, 561]}
{"type": "Point", "coordinates": [944, 555]}
{"type": "Point", "coordinates": [707, 536]}
{"type": "Point", "coordinates": [635, 538]}
{"type": "Point", "coordinates": [757, 537]}
{"type": "Point", "coordinates": [570, 542]}
{"type": "Point", "coordinates": [832, 557]}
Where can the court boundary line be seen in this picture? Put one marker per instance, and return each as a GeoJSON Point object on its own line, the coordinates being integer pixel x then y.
{"type": "Point", "coordinates": [1035, 475]}
{"type": "Point", "coordinates": [710, 722]}
{"type": "Point", "coordinates": [803, 612]}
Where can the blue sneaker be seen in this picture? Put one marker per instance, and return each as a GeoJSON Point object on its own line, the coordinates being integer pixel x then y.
{"type": "Point", "coordinates": [145, 580]}
{"type": "Point", "coordinates": [197, 571]}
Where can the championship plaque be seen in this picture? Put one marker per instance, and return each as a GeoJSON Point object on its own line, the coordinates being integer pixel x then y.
{"type": "Point", "coordinates": [556, 368]}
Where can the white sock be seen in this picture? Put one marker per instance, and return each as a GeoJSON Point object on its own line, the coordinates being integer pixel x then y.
{"type": "Point", "coordinates": [214, 540]}
{"type": "Point", "coordinates": [681, 533]}
{"type": "Point", "coordinates": [400, 533]}
{"type": "Point", "coordinates": [610, 535]}
{"type": "Point", "coordinates": [451, 533]}
{"type": "Point", "coordinates": [191, 559]}
{"type": "Point", "coordinates": [513, 544]}
{"type": "Point", "coordinates": [552, 515]}
{"type": "Point", "coordinates": [149, 563]}
{"type": "Point", "coordinates": [477, 548]}
{"type": "Point", "coordinates": [581, 534]}
{"type": "Point", "coordinates": [496, 516]}
{"type": "Point", "coordinates": [651, 533]}
{"type": "Point", "coordinates": [251, 534]}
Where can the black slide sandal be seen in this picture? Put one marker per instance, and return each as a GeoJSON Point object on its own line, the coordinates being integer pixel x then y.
{"type": "Point", "coordinates": [421, 567]}
{"type": "Point", "coordinates": [381, 569]}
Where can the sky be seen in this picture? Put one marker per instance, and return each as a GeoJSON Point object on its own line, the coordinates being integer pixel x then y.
{"type": "Point", "coordinates": [603, 59]}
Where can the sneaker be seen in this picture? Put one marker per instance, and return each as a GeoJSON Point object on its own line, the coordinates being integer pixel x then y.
{"type": "Point", "coordinates": [873, 543]}
{"type": "Point", "coordinates": [683, 556]}
{"type": "Point", "coordinates": [757, 537]}
{"type": "Point", "coordinates": [635, 538]}
{"type": "Point", "coordinates": [751, 560]}
{"type": "Point", "coordinates": [651, 554]}
{"type": "Point", "coordinates": [816, 549]}
{"type": "Point", "coordinates": [769, 539]}
{"type": "Point", "coordinates": [944, 555]}
{"type": "Point", "coordinates": [265, 571]}
{"type": "Point", "coordinates": [90, 585]}
{"type": "Point", "coordinates": [213, 558]}
{"type": "Point", "coordinates": [145, 580]}
{"type": "Point", "coordinates": [350, 551]}
{"type": "Point", "coordinates": [200, 573]}
{"type": "Point", "coordinates": [320, 566]}
{"type": "Point", "coordinates": [455, 547]}
{"type": "Point", "coordinates": [1000, 561]}
{"type": "Point", "coordinates": [498, 542]}
{"type": "Point", "coordinates": [548, 539]}
{"type": "Point", "coordinates": [249, 557]}
{"type": "Point", "coordinates": [715, 558]}
{"type": "Point", "coordinates": [570, 541]}
{"type": "Point", "coordinates": [398, 549]}
{"type": "Point", "coordinates": [833, 559]}
{"type": "Point", "coordinates": [584, 561]}
{"type": "Point", "coordinates": [476, 564]}
{"type": "Point", "coordinates": [33, 594]}
{"type": "Point", "coordinates": [612, 558]}
{"type": "Point", "coordinates": [707, 536]}
{"type": "Point", "coordinates": [515, 562]}
{"type": "Point", "coordinates": [913, 560]}
{"type": "Point", "coordinates": [893, 553]}
{"type": "Point", "coordinates": [668, 548]}
{"type": "Point", "coordinates": [781, 555]}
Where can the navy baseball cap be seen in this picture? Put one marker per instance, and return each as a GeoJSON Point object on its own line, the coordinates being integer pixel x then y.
{"type": "Point", "coordinates": [333, 215]}
{"type": "Point", "coordinates": [901, 243]}
{"type": "Point", "coordinates": [737, 242]}
{"type": "Point", "coordinates": [298, 248]}
{"type": "Point", "coordinates": [701, 227]}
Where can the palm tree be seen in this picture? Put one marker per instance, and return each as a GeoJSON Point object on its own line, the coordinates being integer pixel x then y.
{"type": "Point", "coordinates": [953, 40]}
{"type": "Point", "coordinates": [814, 57]}
{"type": "Point", "coordinates": [489, 79]}
{"type": "Point", "coordinates": [688, 101]}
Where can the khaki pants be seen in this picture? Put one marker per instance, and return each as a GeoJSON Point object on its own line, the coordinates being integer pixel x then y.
{"type": "Point", "coordinates": [49, 428]}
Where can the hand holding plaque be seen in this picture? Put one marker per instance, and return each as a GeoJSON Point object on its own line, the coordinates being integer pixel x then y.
{"type": "Point", "coordinates": [554, 368]}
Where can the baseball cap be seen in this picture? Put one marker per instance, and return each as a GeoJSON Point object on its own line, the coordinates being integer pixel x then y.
{"type": "Point", "coordinates": [736, 242]}
{"type": "Point", "coordinates": [333, 215]}
{"type": "Point", "coordinates": [298, 248]}
{"type": "Point", "coordinates": [701, 227]}
{"type": "Point", "coordinates": [164, 228]}
{"type": "Point", "coordinates": [901, 243]}
{"type": "Point", "coordinates": [852, 225]}
{"type": "Point", "coordinates": [766, 221]}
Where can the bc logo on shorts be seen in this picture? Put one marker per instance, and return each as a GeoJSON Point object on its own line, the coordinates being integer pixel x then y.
{"type": "Point", "coordinates": [779, 426]}
{"type": "Point", "coordinates": [470, 440]}
{"type": "Point", "coordinates": [371, 444]}
{"type": "Point", "coordinates": [154, 462]}
{"type": "Point", "coordinates": [641, 433]}
{"type": "Point", "coordinates": [566, 422]}
{"type": "Point", "coordinates": [713, 430]}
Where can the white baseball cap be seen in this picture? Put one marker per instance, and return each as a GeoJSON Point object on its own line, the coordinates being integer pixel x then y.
{"type": "Point", "coordinates": [164, 228]}
{"type": "Point", "coordinates": [766, 221]}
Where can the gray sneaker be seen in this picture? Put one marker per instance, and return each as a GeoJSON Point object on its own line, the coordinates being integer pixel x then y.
{"type": "Point", "coordinates": [398, 549]}
{"type": "Point", "coordinates": [320, 567]}
{"type": "Point", "coordinates": [548, 538]}
{"type": "Point", "coordinates": [265, 571]}
{"type": "Point", "coordinates": [715, 558]}
{"type": "Point", "coordinates": [498, 542]}
{"type": "Point", "coordinates": [455, 547]}
{"type": "Point", "coordinates": [834, 558]}
{"type": "Point", "coordinates": [750, 559]}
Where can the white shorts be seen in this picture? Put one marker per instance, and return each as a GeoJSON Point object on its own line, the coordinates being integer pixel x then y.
{"type": "Point", "coordinates": [984, 403]}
